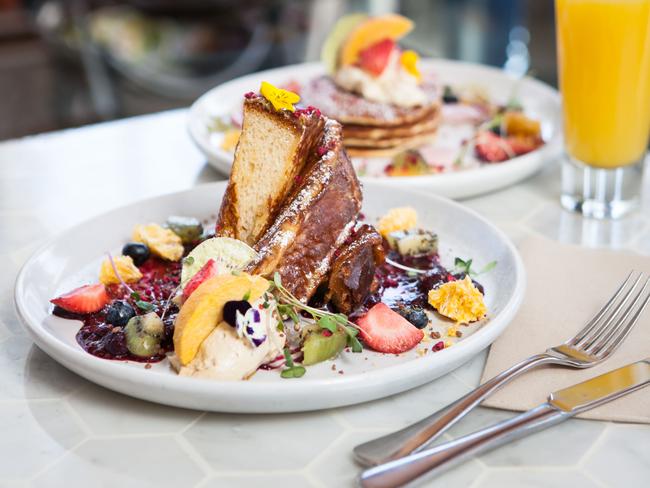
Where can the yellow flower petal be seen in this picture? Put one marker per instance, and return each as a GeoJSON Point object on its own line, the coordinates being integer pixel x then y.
{"type": "Point", "coordinates": [409, 60]}
{"type": "Point", "coordinates": [279, 98]}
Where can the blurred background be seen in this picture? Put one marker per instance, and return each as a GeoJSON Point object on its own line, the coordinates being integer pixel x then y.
{"type": "Point", "coordinates": [65, 63]}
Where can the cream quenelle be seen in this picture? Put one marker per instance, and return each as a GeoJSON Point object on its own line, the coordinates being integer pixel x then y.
{"type": "Point", "coordinates": [235, 353]}
{"type": "Point", "coordinates": [395, 85]}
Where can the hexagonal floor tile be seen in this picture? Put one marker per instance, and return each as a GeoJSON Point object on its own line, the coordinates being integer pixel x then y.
{"type": "Point", "coordinates": [543, 448]}
{"type": "Point", "coordinates": [106, 412]}
{"type": "Point", "coordinates": [337, 468]}
{"type": "Point", "coordinates": [42, 432]}
{"type": "Point", "coordinates": [283, 480]}
{"type": "Point", "coordinates": [289, 442]}
{"type": "Point", "coordinates": [128, 463]}
{"type": "Point", "coordinates": [27, 372]}
{"type": "Point", "coordinates": [404, 408]}
{"type": "Point", "coordinates": [622, 457]}
{"type": "Point", "coordinates": [535, 478]}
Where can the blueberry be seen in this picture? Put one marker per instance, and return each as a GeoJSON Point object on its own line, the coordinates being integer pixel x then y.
{"type": "Point", "coordinates": [138, 252]}
{"type": "Point", "coordinates": [119, 313]}
{"type": "Point", "coordinates": [230, 310]}
{"type": "Point", "coordinates": [416, 315]}
{"type": "Point", "coordinates": [449, 96]}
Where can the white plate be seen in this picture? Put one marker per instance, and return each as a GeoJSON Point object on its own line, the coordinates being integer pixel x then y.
{"type": "Point", "coordinates": [73, 259]}
{"type": "Point", "coordinates": [539, 100]}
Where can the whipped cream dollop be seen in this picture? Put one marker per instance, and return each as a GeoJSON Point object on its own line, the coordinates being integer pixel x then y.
{"type": "Point", "coordinates": [394, 85]}
{"type": "Point", "coordinates": [235, 353]}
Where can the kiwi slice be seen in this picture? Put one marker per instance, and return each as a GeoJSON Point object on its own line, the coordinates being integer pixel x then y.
{"type": "Point", "coordinates": [143, 335]}
{"type": "Point", "coordinates": [330, 52]}
{"type": "Point", "coordinates": [188, 229]}
{"type": "Point", "coordinates": [319, 347]}
{"type": "Point", "coordinates": [229, 254]}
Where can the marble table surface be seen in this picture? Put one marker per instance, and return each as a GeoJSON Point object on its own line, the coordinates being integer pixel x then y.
{"type": "Point", "coordinates": [57, 429]}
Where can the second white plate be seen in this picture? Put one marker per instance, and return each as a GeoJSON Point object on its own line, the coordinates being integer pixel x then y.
{"type": "Point", "coordinates": [539, 100]}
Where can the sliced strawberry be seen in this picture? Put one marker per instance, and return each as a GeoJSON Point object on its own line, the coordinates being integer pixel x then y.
{"type": "Point", "coordinates": [492, 148]}
{"type": "Point", "coordinates": [208, 270]}
{"type": "Point", "coordinates": [85, 299]}
{"type": "Point", "coordinates": [374, 59]}
{"type": "Point", "coordinates": [523, 145]}
{"type": "Point", "coordinates": [384, 330]}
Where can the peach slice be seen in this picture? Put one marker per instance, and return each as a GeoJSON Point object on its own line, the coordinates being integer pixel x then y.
{"type": "Point", "coordinates": [371, 31]}
{"type": "Point", "coordinates": [203, 310]}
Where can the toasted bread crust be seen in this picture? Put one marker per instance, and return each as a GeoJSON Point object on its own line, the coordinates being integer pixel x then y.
{"type": "Point", "coordinates": [314, 221]}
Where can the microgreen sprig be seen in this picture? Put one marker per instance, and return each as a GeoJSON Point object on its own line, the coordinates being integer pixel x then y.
{"type": "Point", "coordinates": [462, 266]}
{"type": "Point", "coordinates": [325, 319]}
{"type": "Point", "coordinates": [291, 371]}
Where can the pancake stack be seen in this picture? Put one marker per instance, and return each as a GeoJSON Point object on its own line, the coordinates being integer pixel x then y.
{"type": "Point", "coordinates": [372, 129]}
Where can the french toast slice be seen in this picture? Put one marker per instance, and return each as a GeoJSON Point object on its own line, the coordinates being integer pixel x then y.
{"type": "Point", "coordinates": [314, 221]}
{"type": "Point", "coordinates": [352, 277]}
{"type": "Point", "coordinates": [271, 154]}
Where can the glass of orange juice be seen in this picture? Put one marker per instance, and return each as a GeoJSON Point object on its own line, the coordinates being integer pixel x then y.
{"type": "Point", "coordinates": [603, 49]}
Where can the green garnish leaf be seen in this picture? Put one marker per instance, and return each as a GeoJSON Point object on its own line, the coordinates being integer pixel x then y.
{"type": "Point", "coordinates": [280, 326]}
{"type": "Point", "coordinates": [351, 331]}
{"type": "Point", "coordinates": [144, 306]}
{"type": "Point", "coordinates": [247, 296]}
{"type": "Point", "coordinates": [135, 295]}
{"type": "Point", "coordinates": [287, 357]}
{"type": "Point", "coordinates": [293, 372]}
{"type": "Point", "coordinates": [488, 267]}
{"type": "Point", "coordinates": [277, 280]}
{"type": "Point", "coordinates": [462, 266]}
{"type": "Point", "coordinates": [514, 104]}
{"type": "Point", "coordinates": [354, 344]}
{"type": "Point", "coordinates": [189, 260]}
{"type": "Point", "coordinates": [328, 323]}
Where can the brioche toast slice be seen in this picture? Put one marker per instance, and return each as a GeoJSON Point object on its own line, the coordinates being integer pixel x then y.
{"type": "Point", "coordinates": [271, 154]}
{"type": "Point", "coordinates": [314, 221]}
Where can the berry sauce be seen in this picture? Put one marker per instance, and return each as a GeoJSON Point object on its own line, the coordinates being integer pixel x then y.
{"type": "Point", "coordinates": [160, 279]}
{"type": "Point", "coordinates": [397, 287]}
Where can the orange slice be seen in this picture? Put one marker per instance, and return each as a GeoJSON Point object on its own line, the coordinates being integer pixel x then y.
{"type": "Point", "coordinates": [371, 31]}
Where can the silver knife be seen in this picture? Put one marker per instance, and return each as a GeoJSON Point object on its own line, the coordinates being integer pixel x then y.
{"type": "Point", "coordinates": [561, 405]}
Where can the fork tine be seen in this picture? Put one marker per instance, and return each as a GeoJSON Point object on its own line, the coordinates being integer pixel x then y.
{"type": "Point", "coordinates": [596, 318]}
{"type": "Point", "coordinates": [611, 343]}
{"type": "Point", "coordinates": [611, 320]}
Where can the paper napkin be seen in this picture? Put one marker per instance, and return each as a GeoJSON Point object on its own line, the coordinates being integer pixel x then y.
{"type": "Point", "coordinates": [566, 286]}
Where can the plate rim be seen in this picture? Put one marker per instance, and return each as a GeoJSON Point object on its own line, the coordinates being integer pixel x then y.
{"type": "Point", "coordinates": [551, 149]}
{"type": "Point", "coordinates": [84, 364]}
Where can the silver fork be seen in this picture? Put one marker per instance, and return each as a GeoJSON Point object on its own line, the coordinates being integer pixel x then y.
{"type": "Point", "coordinates": [593, 344]}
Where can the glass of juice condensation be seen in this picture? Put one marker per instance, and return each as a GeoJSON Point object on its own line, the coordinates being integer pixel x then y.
{"type": "Point", "coordinates": [603, 49]}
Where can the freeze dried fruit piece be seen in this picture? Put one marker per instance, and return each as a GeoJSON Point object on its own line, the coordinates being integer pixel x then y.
{"type": "Point", "coordinates": [162, 242]}
{"type": "Point", "coordinates": [127, 270]}
{"type": "Point", "coordinates": [459, 300]}
{"type": "Point", "coordinates": [400, 218]}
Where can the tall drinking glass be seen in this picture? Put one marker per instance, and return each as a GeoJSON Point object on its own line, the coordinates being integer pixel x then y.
{"type": "Point", "coordinates": [603, 49]}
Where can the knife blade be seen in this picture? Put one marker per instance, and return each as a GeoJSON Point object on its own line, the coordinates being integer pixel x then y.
{"type": "Point", "coordinates": [602, 389]}
{"type": "Point", "coordinates": [561, 405]}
